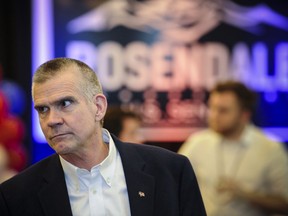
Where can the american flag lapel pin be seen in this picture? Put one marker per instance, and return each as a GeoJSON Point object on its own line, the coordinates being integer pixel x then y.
{"type": "Point", "coordinates": [141, 194]}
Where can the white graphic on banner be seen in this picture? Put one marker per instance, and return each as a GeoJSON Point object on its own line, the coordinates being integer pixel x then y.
{"type": "Point", "coordinates": [180, 24]}
{"type": "Point", "coordinates": [182, 21]}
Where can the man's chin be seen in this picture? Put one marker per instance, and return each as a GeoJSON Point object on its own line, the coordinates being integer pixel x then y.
{"type": "Point", "coordinates": [219, 131]}
{"type": "Point", "coordinates": [60, 148]}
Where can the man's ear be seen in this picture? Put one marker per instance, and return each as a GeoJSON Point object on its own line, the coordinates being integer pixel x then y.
{"type": "Point", "coordinates": [101, 106]}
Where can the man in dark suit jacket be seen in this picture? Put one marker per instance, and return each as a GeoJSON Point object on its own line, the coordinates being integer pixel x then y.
{"type": "Point", "coordinates": [71, 107]}
{"type": "Point", "coordinates": [166, 179]}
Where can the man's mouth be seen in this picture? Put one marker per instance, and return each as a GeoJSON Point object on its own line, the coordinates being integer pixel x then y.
{"type": "Point", "coordinates": [58, 136]}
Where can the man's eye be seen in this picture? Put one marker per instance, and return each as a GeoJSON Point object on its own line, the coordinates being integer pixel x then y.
{"type": "Point", "coordinates": [66, 103]}
{"type": "Point", "coordinates": [42, 109]}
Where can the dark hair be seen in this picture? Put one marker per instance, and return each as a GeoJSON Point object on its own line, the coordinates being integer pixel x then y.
{"type": "Point", "coordinates": [246, 97]}
{"type": "Point", "coordinates": [114, 118]}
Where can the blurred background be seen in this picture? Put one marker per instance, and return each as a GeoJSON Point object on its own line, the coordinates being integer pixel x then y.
{"type": "Point", "coordinates": [158, 58]}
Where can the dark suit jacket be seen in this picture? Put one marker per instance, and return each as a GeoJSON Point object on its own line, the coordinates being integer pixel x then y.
{"type": "Point", "coordinates": [166, 179]}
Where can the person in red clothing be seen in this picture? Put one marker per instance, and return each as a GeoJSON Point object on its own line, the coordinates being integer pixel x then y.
{"type": "Point", "coordinates": [12, 154]}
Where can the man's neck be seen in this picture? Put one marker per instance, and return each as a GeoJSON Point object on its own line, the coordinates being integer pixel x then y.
{"type": "Point", "coordinates": [89, 158]}
{"type": "Point", "coordinates": [235, 134]}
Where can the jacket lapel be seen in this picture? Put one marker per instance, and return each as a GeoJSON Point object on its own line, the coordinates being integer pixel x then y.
{"type": "Point", "coordinates": [53, 194]}
{"type": "Point", "coordinates": [140, 185]}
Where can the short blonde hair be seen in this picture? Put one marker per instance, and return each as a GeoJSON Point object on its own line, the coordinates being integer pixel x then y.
{"type": "Point", "coordinates": [90, 85]}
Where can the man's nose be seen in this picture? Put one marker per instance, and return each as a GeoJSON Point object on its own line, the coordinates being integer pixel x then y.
{"type": "Point", "coordinates": [54, 118]}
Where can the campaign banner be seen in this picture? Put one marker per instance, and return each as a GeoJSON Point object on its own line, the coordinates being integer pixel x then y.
{"type": "Point", "coordinates": [160, 58]}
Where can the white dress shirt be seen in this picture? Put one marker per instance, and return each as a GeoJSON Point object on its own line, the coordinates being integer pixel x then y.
{"type": "Point", "coordinates": [103, 190]}
{"type": "Point", "coordinates": [256, 162]}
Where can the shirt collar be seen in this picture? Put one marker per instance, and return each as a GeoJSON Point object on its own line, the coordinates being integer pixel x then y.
{"type": "Point", "coordinates": [245, 139]}
{"type": "Point", "coordinates": [106, 168]}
